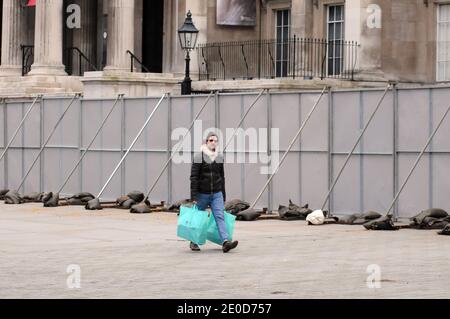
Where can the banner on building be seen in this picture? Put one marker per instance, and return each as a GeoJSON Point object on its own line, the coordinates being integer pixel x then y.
{"type": "Point", "coordinates": [236, 12]}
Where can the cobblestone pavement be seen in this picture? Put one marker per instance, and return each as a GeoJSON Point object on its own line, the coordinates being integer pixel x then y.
{"type": "Point", "coordinates": [121, 255]}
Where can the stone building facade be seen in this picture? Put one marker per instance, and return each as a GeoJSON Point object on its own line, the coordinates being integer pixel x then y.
{"type": "Point", "coordinates": [62, 46]}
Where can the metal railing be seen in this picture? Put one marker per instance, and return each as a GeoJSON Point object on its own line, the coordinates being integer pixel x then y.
{"type": "Point", "coordinates": [27, 58]}
{"type": "Point", "coordinates": [84, 64]}
{"type": "Point", "coordinates": [133, 59]}
{"type": "Point", "coordinates": [268, 59]}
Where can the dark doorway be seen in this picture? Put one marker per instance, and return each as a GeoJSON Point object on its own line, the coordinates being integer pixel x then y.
{"type": "Point", "coordinates": [152, 35]}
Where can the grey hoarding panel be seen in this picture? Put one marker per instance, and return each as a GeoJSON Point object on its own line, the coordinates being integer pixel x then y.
{"type": "Point", "coordinates": [67, 132]}
{"type": "Point", "coordinates": [286, 118]}
{"type": "Point", "coordinates": [93, 114]}
{"type": "Point", "coordinates": [346, 194]}
{"type": "Point", "coordinates": [441, 181]}
{"type": "Point", "coordinates": [57, 165]}
{"type": "Point", "coordinates": [180, 181]}
{"type": "Point", "coordinates": [155, 134]}
{"type": "Point", "coordinates": [234, 181]}
{"type": "Point", "coordinates": [346, 124]}
{"type": "Point", "coordinates": [415, 195]}
{"type": "Point", "coordinates": [378, 136]}
{"type": "Point", "coordinates": [254, 181]}
{"type": "Point", "coordinates": [15, 167]}
{"type": "Point", "coordinates": [31, 127]}
{"type": "Point", "coordinates": [206, 118]}
{"type": "Point", "coordinates": [314, 178]}
{"type": "Point", "coordinates": [136, 164]}
{"type": "Point", "coordinates": [232, 109]}
{"type": "Point", "coordinates": [16, 112]}
{"type": "Point", "coordinates": [181, 112]}
{"type": "Point", "coordinates": [441, 101]}
{"type": "Point", "coordinates": [97, 168]}
{"type": "Point", "coordinates": [413, 113]}
{"type": "Point", "coordinates": [32, 182]}
{"type": "Point", "coordinates": [286, 184]}
{"type": "Point", "coordinates": [376, 181]}
{"type": "Point", "coordinates": [315, 135]}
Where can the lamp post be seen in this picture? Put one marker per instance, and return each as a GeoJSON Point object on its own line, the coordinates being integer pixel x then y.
{"type": "Point", "coordinates": [188, 39]}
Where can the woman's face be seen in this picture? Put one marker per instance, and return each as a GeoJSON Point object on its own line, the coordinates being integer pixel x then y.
{"type": "Point", "coordinates": [212, 142]}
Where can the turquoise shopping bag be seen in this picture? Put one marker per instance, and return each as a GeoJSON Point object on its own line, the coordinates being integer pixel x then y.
{"type": "Point", "coordinates": [193, 224]}
{"type": "Point", "coordinates": [213, 231]}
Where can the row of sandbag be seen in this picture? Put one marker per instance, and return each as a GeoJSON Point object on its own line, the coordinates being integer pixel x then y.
{"type": "Point", "coordinates": [236, 207]}
{"type": "Point", "coordinates": [49, 200]}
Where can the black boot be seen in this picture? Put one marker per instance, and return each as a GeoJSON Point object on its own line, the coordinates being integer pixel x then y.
{"type": "Point", "coordinates": [194, 247]}
{"type": "Point", "coordinates": [229, 245]}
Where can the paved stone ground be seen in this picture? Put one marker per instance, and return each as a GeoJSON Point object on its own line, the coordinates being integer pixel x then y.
{"type": "Point", "coordinates": [139, 256]}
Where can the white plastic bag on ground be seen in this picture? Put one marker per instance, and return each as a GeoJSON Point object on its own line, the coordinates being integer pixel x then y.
{"type": "Point", "coordinates": [317, 217]}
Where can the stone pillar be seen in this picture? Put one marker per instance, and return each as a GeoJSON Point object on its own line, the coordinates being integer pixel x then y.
{"type": "Point", "coordinates": [85, 38]}
{"type": "Point", "coordinates": [370, 65]}
{"type": "Point", "coordinates": [120, 34]}
{"type": "Point", "coordinates": [302, 27]}
{"type": "Point", "coordinates": [302, 18]}
{"type": "Point", "coordinates": [13, 35]}
{"type": "Point", "coordinates": [48, 38]}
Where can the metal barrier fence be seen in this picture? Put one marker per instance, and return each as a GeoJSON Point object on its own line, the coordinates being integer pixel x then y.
{"type": "Point", "coordinates": [384, 156]}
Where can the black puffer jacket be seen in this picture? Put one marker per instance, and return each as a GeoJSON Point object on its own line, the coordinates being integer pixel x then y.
{"type": "Point", "coordinates": [207, 177]}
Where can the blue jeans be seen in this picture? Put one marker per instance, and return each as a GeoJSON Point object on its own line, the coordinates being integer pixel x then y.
{"type": "Point", "coordinates": [217, 206]}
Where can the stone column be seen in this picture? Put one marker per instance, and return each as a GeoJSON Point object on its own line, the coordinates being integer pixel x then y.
{"type": "Point", "coordinates": [302, 18]}
{"type": "Point", "coordinates": [302, 27]}
{"type": "Point", "coordinates": [120, 34]}
{"type": "Point", "coordinates": [370, 65]}
{"type": "Point", "coordinates": [85, 38]}
{"type": "Point", "coordinates": [48, 38]}
{"type": "Point", "coordinates": [13, 35]}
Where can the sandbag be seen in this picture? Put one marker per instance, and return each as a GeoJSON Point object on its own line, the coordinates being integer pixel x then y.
{"type": "Point", "coordinates": [121, 200]}
{"type": "Point", "coordinates": [445, 231]}
{"type": "Point", "coordinates": [76, 202]}
{"type": "Point", "coordinates": [433, 212]}
{"type": "Point", "coordinates": [84, 197]}
{"type": "Point", "coordinates": [358, 219]}
{"type": "Point", "coordinates": [93, 204]}
{"type": "Point", "coordinates": [33, 197]}
{"type": "Point", "coordinates": [371, 215]}
{"type": "Point", "coordinates": [3, 193]}
{"type": "Point", "coordinates": [125, 202]}
{"type": "Point", "coordinates": [294, 212]}
{"type": "Point", "coordinates": [128, 204]}
{"type": "Point", "coordinates": [51, 200]}
{"type": "Point", "coordinates": [236, 206]}
{"type": "Point", "coordinates": [248, 215]}
{"type": "Point", "coordinates": [434, 218]}
{"type": "Point", "coordinates": [382, 223]}
{"type": "Point", "coordinates": [141, 208]}
{"type": "Point", "coordinates": [137, 196]}
{"type": "Point", "coordinates": [175, 207]}
{"type": "Point", "coordinates": [13, 198]}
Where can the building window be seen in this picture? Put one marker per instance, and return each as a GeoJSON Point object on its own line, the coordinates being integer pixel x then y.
{"type": "Point", "coordinates": [443, 43]}
{"type": "Point", "coordinates": [335, 36]}
{"type": "Point", "coordinates": [282, 42]}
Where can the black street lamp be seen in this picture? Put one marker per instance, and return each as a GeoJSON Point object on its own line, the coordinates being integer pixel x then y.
{"type": "Point", "coordinates": [188, 39]}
